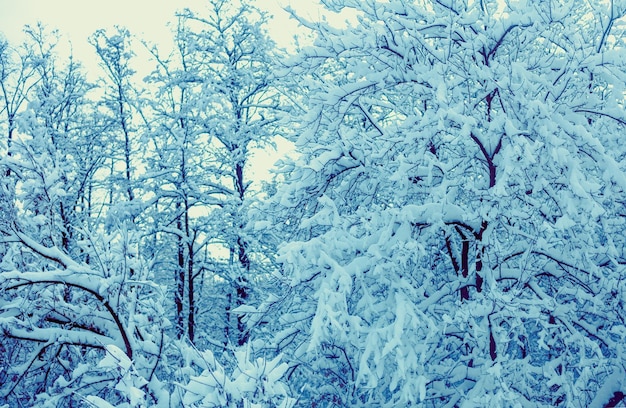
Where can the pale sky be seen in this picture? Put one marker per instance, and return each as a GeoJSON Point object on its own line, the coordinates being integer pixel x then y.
{"type": "Point", "coordinates": [146, 19]}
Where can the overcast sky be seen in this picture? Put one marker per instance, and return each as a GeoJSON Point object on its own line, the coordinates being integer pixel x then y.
{"type": "Point", "coordinates": [146, 19]}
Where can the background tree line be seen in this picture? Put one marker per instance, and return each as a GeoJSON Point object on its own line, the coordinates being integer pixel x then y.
{"type": "Point", "coordinates": [449, 233]}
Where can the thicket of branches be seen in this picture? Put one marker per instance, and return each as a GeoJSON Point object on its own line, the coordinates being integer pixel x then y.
{"type": "Point", "coordinates": [450, 231]}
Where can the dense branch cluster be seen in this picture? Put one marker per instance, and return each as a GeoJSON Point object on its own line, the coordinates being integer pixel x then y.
{"type": "Point", "coordinates": [449, 231]}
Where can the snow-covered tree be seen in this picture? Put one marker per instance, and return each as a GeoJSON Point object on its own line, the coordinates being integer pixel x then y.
{"type": "Point", "coordinates": [119, 103]}
{"type": "Point", "coordinates": [60, 317]}
{"type": "Point", "coordinates": [85, 226]}
{"type": "Point", "coordinates": [237, 59]}
{"type": "Point", "coordinates": [59, 148]}
{"type": "Point", "coordinates": [178, 176]}
{"type": "Point", "coordinates": [66, 293]}
{"type": "Point", "coordinates": [17, 78]}
{"type": "Point", "coordinates": [457, 209]}
{"type": "Point", "coordinates": [213, 105]}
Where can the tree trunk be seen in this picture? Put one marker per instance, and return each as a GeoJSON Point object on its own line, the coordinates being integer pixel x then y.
{"type": "Point", "coordinates": [180, 283]}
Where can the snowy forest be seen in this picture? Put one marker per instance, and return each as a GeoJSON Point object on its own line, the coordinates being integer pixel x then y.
{"type": "Point", "coordinates": [449, 230]}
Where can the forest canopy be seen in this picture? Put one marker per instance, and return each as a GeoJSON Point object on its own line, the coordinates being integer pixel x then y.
{"type": "Point", "coordinates": [449, 231]}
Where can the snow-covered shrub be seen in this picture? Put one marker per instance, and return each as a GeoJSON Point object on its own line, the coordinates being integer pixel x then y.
{"type": "Point", "coordinates": [254, 382]}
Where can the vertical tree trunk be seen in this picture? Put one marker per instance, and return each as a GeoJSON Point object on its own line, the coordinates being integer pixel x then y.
{"type": "Point", "coordinates": [242, 290]}
{"type": "Point", "coordinates": [11, 125]}
{"type": "Point", "coordinates": [127, 142]}
{"type": "Point", "coordinates": [241, 284]}
{"type": "Point", "coordinates": [179, 277]}
{"type": "Point", "coordinates": [191, 313]}
{"type": "Point", "coordinates": [465, 247]}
